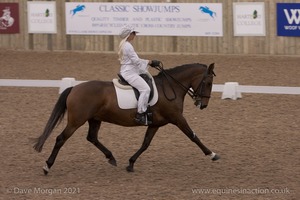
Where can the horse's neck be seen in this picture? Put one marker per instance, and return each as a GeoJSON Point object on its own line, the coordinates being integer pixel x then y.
{"type": "Point", "coordinates": [188, 74]}
{"type": "Point", "coordinates": [181, 78]}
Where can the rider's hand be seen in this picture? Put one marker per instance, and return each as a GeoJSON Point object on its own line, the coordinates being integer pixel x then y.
{"type": "Point", "coordinates": [155, 63]}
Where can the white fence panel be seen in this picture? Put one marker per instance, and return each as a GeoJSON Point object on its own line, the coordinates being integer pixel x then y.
{"type": "Point", "coordinates": [216, 87]}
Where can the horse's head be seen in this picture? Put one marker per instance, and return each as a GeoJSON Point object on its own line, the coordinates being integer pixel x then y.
{"type": "Point", "coordinates": [202, 90]}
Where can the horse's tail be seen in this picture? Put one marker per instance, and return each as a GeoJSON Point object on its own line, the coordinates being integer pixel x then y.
{"type": "Point", "coordinates": [56, 116]}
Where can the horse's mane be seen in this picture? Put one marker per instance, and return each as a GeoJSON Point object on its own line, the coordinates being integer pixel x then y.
{"type": "Point", "coordinates": [181, 68]}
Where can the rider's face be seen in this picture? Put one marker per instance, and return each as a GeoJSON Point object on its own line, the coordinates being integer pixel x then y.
{"type": "Point", "coordinates": [131, 36]}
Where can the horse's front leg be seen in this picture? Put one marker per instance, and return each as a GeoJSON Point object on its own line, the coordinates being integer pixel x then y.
{"type": "Point", "coordinates": [185, 128]}
{"type": "Point", "coordinates": [147, 140]}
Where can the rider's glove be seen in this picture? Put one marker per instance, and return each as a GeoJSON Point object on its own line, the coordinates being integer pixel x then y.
{"type": "Point", "coordinates": [155, 63]}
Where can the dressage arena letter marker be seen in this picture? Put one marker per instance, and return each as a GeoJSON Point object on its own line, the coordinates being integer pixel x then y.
{"type": "Point", "coordinates": [65, 83]}
{"type": "Point", "coordinates": [231, 91]}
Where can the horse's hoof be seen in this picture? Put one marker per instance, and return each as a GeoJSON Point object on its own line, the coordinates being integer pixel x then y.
{"type": "Point", "coordinates": [129, 169]}
{"type": "Point", "coordinates": [46, 169]}
{"type": "Point", "coordinates": [216, 157]}
{"type": "Point", "coordinates": [112, 162]}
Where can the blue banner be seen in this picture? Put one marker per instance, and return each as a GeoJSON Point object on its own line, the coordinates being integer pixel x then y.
{"type": "Point", "coordinates": [288, 19]}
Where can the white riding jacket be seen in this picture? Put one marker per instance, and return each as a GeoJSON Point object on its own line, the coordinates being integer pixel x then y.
{"type": "Point", "coordinates": [131, 63]}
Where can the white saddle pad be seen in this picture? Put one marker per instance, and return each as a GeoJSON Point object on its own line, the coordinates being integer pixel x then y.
{"type": "Point", "coordinates": [126, 97]}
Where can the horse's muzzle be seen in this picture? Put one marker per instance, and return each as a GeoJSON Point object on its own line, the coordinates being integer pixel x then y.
{"type": "Point", "coordinates": [200, 105]}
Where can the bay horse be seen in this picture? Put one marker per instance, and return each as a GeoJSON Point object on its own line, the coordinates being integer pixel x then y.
{"type": "Point", "coordinates": [96, 101]}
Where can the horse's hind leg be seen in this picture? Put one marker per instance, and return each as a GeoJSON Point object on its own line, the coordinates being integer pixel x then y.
{"type": "Point", "coordinates": [60, 140]}
{"type": "Point", "coordinates": [94, 126]}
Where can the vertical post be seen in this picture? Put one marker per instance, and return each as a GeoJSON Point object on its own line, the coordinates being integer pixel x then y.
{"type": "Point", "coordinates": [68, 37]}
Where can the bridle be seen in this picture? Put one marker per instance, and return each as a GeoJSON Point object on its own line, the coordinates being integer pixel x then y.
{"type": "Point", "coordinates": [196, 95]}
{"type": "Point", "coordinates": [200, 91]}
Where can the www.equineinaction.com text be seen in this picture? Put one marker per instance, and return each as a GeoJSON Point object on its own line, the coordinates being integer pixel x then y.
{"type": "Point", "coordinates": [246, 191]}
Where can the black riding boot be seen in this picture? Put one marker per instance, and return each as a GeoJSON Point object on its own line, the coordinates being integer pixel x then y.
{"type": "Point", "coordinates": [141, 118]}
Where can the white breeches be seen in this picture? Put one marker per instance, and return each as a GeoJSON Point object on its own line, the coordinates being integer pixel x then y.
{"type": "Point", "coordinates": [140, 84]}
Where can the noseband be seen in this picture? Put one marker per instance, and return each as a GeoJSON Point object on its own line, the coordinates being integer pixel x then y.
{"type": "Point", "coordinates": [200, 91]}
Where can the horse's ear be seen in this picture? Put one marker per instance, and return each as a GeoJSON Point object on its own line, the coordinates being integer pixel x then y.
{"type": "Point", "coordinates": [211, 69]}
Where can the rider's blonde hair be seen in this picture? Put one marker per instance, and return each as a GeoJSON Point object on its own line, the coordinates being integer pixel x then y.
{"type": "Point", "coordinates": [120, 52]}
{"type": "Point", "coordinates": [124, 34]}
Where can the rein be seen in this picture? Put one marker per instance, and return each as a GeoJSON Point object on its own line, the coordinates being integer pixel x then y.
{"type": "Point", "coordinates": [190, 92]}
